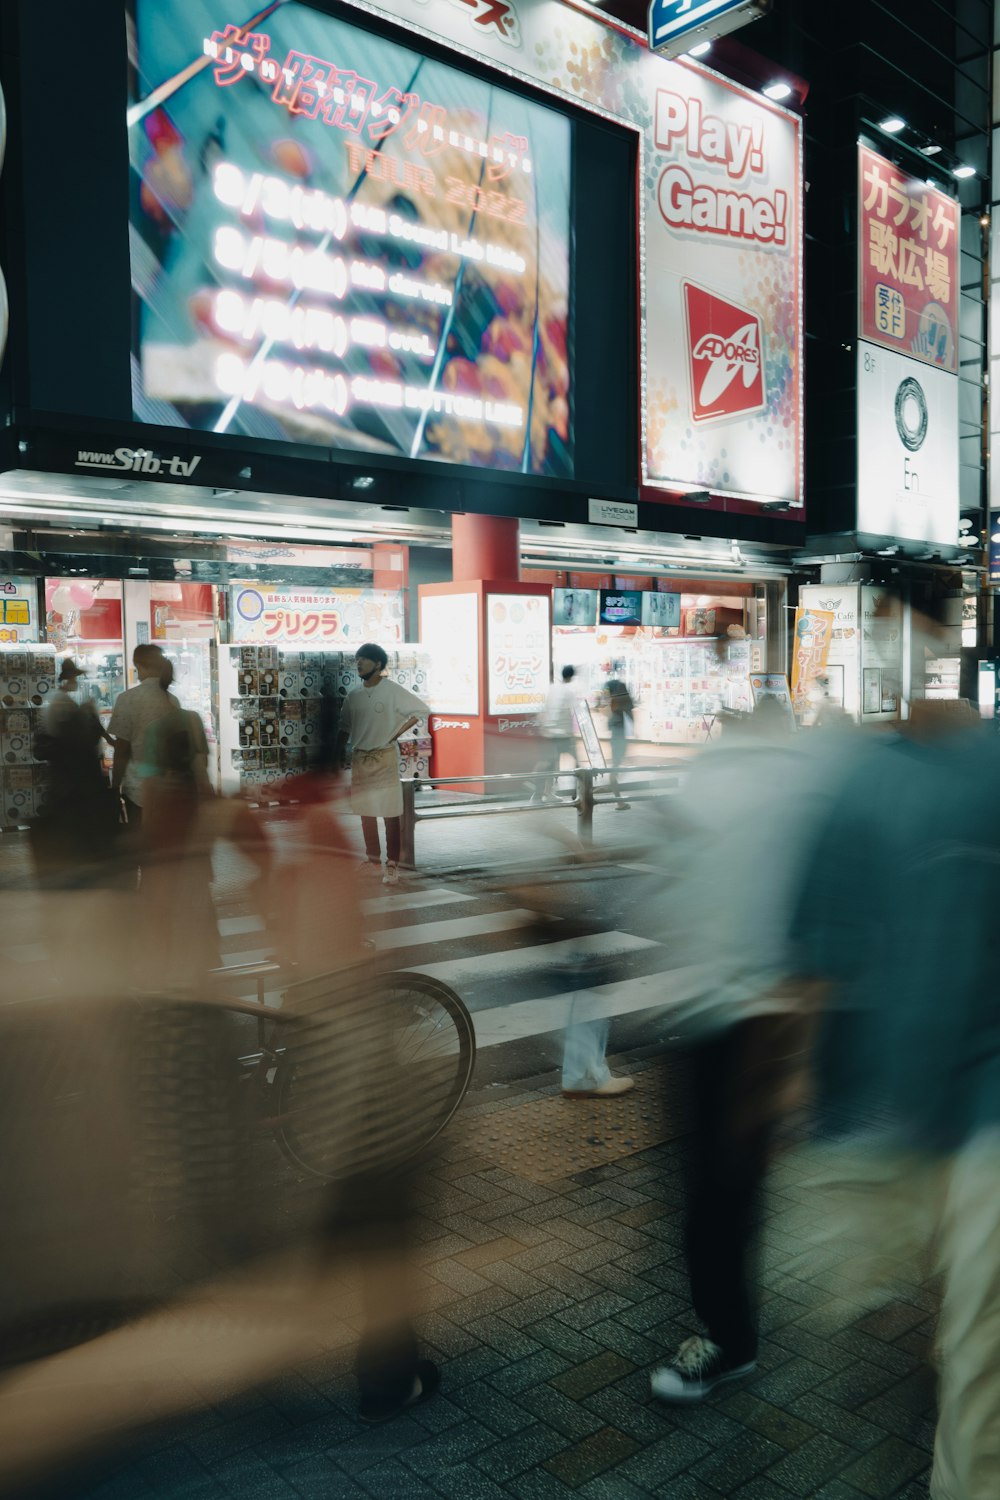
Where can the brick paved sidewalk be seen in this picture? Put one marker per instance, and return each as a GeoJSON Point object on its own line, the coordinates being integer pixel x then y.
{"type": "Point", "coordinates": [548, 1300]}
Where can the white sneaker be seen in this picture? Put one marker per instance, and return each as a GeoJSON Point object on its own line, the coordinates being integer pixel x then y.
{"type": "Point", "coordinates": [697, 1368]}
{"type": "Point", "coordinates": [391, 876]}
{"type": "Point", "coordinates": [606, 1090]}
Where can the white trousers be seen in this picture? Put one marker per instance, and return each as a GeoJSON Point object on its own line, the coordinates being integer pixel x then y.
{"type": "Point", "coordinates": [945, 1212]}
{"type": "Point", "coordinates": [584, 1047]}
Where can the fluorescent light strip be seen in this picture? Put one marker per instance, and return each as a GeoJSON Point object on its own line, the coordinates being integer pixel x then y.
{"type": "Point", "coordinates": [213, 524]}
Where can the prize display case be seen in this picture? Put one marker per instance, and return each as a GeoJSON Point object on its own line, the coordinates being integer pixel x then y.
{"type": "Point", "coordinates": [679, 686]}
{"type": "Point", "coordinates": [27, 680]}
{"type": "Point", "coordinates": [270, 700]}
{"type": "Point", "coordinates": [196, 686]}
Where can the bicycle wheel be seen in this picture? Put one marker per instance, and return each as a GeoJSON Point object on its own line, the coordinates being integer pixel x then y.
{"type": "Point", "coordinates": [371, 1086]}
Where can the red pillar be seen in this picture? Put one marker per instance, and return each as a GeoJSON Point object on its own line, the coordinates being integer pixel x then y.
{"type": "Point", "coordinates": [485, 547]}
{"type": "Point", "coordinates": [487, 727]}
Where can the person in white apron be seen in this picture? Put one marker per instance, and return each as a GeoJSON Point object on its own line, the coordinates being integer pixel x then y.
{"type": "Point", "coordinates": [373, 718]}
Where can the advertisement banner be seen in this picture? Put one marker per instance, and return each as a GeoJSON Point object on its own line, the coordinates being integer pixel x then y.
{"type": "Point", "coordinates": [518, 647]}
{"type": "Point", "coordinates": [722, 258]}
{"type": "Point", "coordinates": [908, 242]}
{"type": "Point", "coordinates": [449, 633]}
{"type": "Point", "coordinates": [18, 611]}
{"type": "Point", "coordinates": [908, 456]}
{"type": "Point", "coordinates": [720, 196]}
{"type": "Point", "coordinates": [843, 661]}
{"type": "Point", "coordinates": [813, 631]}
{"type": "Point", "coordinates": [773, 686]}
{"type": "Point", "coordinates": [288, 616]}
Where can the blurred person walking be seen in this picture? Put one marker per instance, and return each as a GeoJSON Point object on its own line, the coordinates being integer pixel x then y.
{"type": "Point", "coordinates": [585, 1071]}
{"type": "Point", "coordinates": [620, 709]}
{"type": "Point", "coordinates": [742, 826]}
{"type": "Point", "coordinates": [361, 1094]}
{"type": "Point", "coordinates": [76, 830]}
{"type": "Point", "coordinates": [135, 711]}
{"type": "Point", "coordinates": [557, 727]}
{"type": "Point", "coordinates": [898, 915]}
{"type": "Point", "coordinates": [373, 718]}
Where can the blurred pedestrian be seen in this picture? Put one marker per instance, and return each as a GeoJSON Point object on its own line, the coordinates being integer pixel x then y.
{"type": "Point", "coordinates": [134, 712]}
{"type": "Point", "coordinates": [743, 823]}
{"type": "Point", "coordinates": [74, 833]}
{"type": "Point", "coordinates": [585, 1071]}
{"type": "Point", "coordinates": [620, 711]}
{"type": "Point", "coordinates": [898, 913]}
{"type": "Point", "coordinates": [373, 718]}
{"type": "Point", "coordinates": [358, 1088]}
{"type": "Point", "coordinates": [557, 727]}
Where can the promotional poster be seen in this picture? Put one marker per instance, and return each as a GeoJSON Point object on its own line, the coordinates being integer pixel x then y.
{"type": "Point", "coordinates": [518, 644]}
{"type": "Point", "coordinates": [449, 633]}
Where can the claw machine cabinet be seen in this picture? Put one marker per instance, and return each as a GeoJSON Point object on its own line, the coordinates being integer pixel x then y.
{"type": "Point", "coordinates": [490, 649]}
{"type": "Point", "coordinates": [180, 618]}
{"type": "Point", "coordinates": [84, 620]}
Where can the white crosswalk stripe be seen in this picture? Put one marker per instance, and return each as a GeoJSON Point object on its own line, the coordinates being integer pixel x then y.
{"type": "Point", "coordinates": [456, 971]}
{"type": "Point", "coordinates": [649, 992]}
{"type": "Point", "coordinates": [377, 906]}
{"type": "Point", "coordinates": [436, 933]}
{"type": "Point", "coordinates": [236, 926]}
{"type": "Point", "coordinates": [496, 962]}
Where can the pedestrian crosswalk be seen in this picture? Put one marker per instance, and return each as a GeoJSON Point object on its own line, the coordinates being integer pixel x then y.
{"type": "Point", "coordinates": [451, 930]}
{"type": "Point", "coordinates": [517, 970]}
{"type": "Point", "coordinates": [521, 961]}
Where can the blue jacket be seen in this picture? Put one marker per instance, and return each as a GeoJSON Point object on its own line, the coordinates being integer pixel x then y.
{"type": "Point", "coordinates": [900, 908]}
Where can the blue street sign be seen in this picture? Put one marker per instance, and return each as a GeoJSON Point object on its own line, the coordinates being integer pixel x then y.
{"type": "Point", "coordinates": [675, 25]}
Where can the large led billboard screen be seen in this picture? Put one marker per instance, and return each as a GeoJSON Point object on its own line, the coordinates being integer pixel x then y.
{"type": "Point", "coordinates": [337, 240]}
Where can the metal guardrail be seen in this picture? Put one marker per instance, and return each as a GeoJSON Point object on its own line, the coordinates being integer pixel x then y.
{"type": "Point", "coordinates": [584, 798]}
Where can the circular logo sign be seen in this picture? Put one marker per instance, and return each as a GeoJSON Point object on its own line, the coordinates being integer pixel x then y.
{"type": "Point", "coordinates": [911, 414]}
{"type": "Point", "coordinates": [249, 604]}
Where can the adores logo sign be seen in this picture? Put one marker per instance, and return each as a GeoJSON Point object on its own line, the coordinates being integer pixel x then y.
{"type": "Point", "coordinates": [725, 357]}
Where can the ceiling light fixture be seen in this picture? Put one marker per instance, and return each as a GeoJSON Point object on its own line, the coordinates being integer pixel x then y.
{"type": "Point", "coordinates": [777, 91]}
{"type": "Point", "coordinates": [963, 171]}
{"type": "Point", "coordinates": [893, 125]}
{"type": "Point", "coordinates": [931, 149]}
{"type": "Point", "coordinates": [701, 49]}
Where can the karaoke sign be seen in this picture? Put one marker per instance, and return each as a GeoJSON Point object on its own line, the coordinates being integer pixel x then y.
{"type": "Point", "coordinates": [909, 247]}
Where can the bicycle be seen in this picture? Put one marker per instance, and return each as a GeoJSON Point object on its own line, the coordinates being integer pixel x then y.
{"type": "Point", "coordinates": [289, 1074]}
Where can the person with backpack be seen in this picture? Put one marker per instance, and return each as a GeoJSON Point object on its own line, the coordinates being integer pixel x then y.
{"type": "Point", "coordinates": [620, 709]}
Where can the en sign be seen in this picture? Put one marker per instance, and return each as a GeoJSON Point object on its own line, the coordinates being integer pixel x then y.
{"type": "Point", "coordinates": [677, 25]}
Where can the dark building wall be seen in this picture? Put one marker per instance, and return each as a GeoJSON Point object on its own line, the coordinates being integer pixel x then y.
{"type": "Point", "coordinates": [927, 61]}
